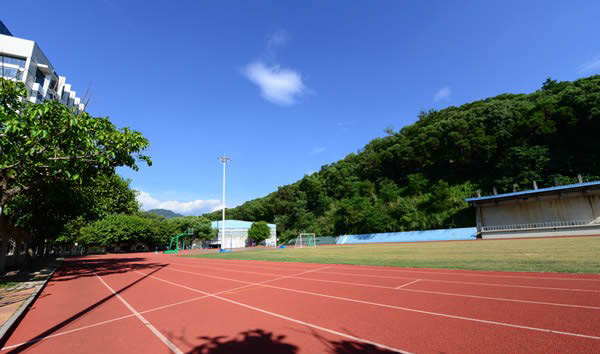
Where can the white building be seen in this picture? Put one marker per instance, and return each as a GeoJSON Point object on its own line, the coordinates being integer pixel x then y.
{"type": "Point", "coordinates": [22, 60]}
{"type": "Point", "coordinates": [236, 234]}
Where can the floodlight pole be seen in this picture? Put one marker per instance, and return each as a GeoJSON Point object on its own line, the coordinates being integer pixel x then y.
{"type": "Point", "coordinates": [224, 160]}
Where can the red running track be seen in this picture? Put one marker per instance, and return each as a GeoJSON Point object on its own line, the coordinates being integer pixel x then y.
{"type": "Point", "coordinates": [149, 303]}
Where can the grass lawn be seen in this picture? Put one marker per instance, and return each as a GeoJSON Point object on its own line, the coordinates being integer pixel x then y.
{"type": "Point", "coordinates": [569, 254]}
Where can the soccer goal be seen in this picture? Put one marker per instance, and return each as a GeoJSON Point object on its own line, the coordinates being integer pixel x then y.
{"type": "Point", "coordinates": [306, 240]}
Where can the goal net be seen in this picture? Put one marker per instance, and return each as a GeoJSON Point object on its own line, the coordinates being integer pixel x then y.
{"type": "Point", "coordinates": [306, 240]}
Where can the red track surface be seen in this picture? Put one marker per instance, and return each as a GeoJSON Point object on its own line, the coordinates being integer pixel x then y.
{"type": "Point", "coordinates": [149, 303]}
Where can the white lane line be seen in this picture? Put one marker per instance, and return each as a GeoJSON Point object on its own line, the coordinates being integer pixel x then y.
{"type": "Point", "coordinates": [512, 286]}
{"type": "Point", "coordinates": [370, 268]}
{"type": "Point", "coordinates": [407, 284]}
{"type": "Point", "coordinates": [324, 329]}
{"type": "Point", "coordinates": [466, 282]}
{"type": "Point", "coordinates": [434, 280]}
{"type": "Point", "coordinates": [502, 299]}
{"type": "Point", "coordinates": [468, 274]}
{"type": "Point", "coordinates": [147, 311]}
{"type": "Point", "coordinates": [239, 265]}
{"type": "Point", "coordinates": [401, 287]}
{"type": "Point", "coordinates": [149, 325]}
{"type": "Point", "coordinates": [504, 324]}
{"type": "Point", "coordinates": [66, 332]}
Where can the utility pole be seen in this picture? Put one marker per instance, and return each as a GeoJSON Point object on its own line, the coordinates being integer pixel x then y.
{"type": "Point", "coordinates": [224, 160]}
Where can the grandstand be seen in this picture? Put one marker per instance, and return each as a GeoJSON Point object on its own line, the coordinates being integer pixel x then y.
{"type": "Point", "coordinates": [569, 210]}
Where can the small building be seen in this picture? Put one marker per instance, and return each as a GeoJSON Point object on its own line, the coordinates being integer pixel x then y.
{"type": "Point", "coordinates": [236, 234]}
{"type": "Point", "coordinates": [570, 210]}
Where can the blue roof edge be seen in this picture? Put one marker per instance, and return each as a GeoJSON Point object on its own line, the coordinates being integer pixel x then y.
{"type": "Point", "coordinates": [534, 191]}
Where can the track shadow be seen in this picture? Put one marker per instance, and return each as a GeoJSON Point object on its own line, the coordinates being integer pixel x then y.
{"type": "Point", "coordinates": [90, 272]}
{"type": "Point", "coordinates": [73, 269]}
{"type": "Point", "coordinates": [252, 341]}
{"type": "Point", "coordinates": [261, 341]}
{"type": "Point", "coordinates": [349, 346]}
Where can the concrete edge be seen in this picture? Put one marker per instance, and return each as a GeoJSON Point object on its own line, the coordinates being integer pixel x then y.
{"type": "Point", "coordinates": [11, 324]}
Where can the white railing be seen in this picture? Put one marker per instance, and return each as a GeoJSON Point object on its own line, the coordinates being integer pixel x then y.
{"type": "Point", "coordinates": [538, 225]}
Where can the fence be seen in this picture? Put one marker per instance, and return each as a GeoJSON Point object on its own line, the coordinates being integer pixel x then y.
{"type": "Point", "coordinates": [468, 233]}
{"type": "Point", "coordinates": [539, 225]}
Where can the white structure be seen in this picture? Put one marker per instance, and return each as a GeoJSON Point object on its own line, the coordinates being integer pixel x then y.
{"type": "Point", "coordinates": [224, 160]}
{"type": "Point", "coordinates": [22, 60]}
{"type": "Point", "coordinates": [236, 234]}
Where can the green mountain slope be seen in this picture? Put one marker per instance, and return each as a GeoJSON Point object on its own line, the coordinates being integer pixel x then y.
{"type": "Point", "coordinates": [165, 212]}
{"type": "Point", "coordinates": [417, 178]}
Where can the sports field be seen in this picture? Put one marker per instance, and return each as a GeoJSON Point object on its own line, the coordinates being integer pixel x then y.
{"type": "Point", "coordinates": [157, 303]}
{"type": "Point", "coordinates": [565, 254]}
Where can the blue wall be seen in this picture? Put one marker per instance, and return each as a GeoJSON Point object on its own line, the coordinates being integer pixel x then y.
{"type": "Point", "coordinates": [468, 233]}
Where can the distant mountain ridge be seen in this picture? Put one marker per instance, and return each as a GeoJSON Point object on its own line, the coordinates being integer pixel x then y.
{"type": "Point", "coordinates": [165, 212]}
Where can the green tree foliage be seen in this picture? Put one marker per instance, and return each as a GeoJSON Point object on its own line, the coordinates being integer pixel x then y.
{"type": "Point", "coordinates": [119, 229]}
{"type": "Point", "coordinates": [259, 231]}
{"type": "Point", "coordinates": [150, 229]}
{"type": "Point", "coordinates": [49, 141]}
{"type": "Point", "coordinates": [198, 224]}
{"type": "Point", "coordinates": [49, 154]}
{"type": "Point", "coordinates": [417, 177]}
{"type": "Point", "coordinates": [57, 210]}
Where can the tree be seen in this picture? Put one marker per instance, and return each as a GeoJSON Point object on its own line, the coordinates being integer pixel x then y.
{"type": "Point", "coordinates": [199, 224]}
{"type": "Point", "coordinates": [122, 229]}
{"type": "Point", "coordinates": [259, 231]}
{"type": "Point", "coordinates": [51, 143]}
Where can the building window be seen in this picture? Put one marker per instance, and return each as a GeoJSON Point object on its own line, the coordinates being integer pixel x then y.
{"type": "Point", "coordinates": [40, 77]}
{"type": "Point", "coordinates": [12, 73]}
{"type": "Point", "coordinates": [9, 59]}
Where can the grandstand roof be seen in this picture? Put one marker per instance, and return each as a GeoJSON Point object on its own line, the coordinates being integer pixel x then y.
{"type": "Point", "coordinates": [235, 224]}
{"type": "Point", "coordinates": [535, 191]}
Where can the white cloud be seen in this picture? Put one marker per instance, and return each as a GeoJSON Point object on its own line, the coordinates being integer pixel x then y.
{"type": "Point", "coordinates": [443, 94]}
{"type": "Point", "coordinates": [318, 150]}
{"type": "Point", "coordinates": [592, 65]}
{"type": "Point", "coordinates": [279, 38]}
{"type": "Point", "coordinates": [197, 206]}
{"type": "Point", "coordinates": [277, 85]}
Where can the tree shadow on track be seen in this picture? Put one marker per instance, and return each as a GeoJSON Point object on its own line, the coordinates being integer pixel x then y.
{"type": "Point", "coordinates": [79, 268]}
{"type": "Point", "coordinates": [261, 341]}
{"type": "Point", "coordinates": [100, 271]}
{"type": "Point", "coordinates": [349, 346]}
{"type": "Point", "coordinates": [252, 341]}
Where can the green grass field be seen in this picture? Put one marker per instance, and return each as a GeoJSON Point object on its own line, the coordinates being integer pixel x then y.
{"type": "Point", "coordinates": [570, 254]}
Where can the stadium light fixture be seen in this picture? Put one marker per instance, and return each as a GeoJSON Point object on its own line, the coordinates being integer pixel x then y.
{"type": "Point", "coordinates": [224, 160]}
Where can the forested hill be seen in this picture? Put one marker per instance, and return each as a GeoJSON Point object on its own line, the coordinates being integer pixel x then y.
{"type": "Point", "coordinates": [417, 178]}
{"type": "Point", "coordinates": [165, 212]}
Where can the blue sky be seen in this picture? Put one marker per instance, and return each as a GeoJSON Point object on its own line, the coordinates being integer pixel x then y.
{"type": "Point", "coordinates": [284, 87]}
